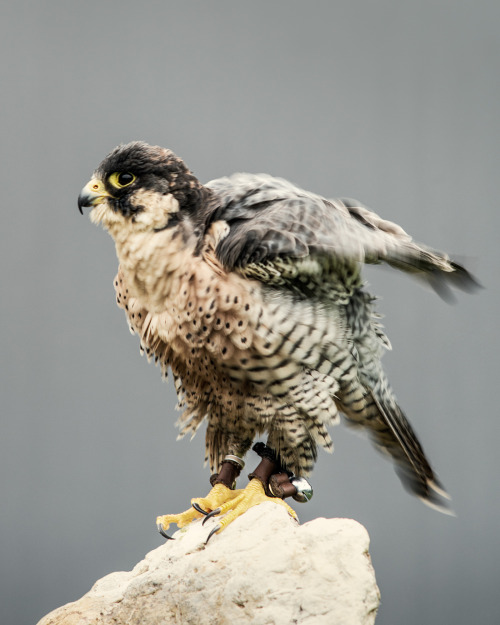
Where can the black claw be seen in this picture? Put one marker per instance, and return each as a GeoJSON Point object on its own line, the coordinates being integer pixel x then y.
{"type": "Point", "coordinates": [216, 529]}
{"type": "Point", "coordinates": [210, 515]}
{"type": "Point", "coordinates": [199, 509]}
{"type": "Point", "coordinates": [164, 534]}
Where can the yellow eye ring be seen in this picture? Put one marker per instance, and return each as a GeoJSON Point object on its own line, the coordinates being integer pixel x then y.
{"type": "Point", "coordinates": [121, 179]}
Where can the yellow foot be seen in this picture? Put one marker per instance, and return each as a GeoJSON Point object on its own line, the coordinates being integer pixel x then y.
{"type": "Point", "coordinates": [201, 506]}
{"type": "Point", "coordinates": [243, 500]}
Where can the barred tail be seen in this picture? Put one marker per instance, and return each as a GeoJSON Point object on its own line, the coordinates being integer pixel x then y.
{"type": "Point", "coordinates": [392, 434]}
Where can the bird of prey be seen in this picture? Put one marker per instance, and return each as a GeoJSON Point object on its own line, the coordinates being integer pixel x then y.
{"type": "Point", "coordinates": [249, 290]}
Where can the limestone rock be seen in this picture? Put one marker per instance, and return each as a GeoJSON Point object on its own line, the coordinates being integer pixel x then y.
{"type": "Point", "coordinates": [263, 569]}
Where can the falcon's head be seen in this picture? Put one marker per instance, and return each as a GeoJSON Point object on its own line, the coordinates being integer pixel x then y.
{"type": "Point", "coordinates": [142, 187]}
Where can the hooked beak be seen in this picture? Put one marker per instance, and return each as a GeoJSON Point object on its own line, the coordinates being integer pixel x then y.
{"type": "Point", "coordinates": [93, 193]}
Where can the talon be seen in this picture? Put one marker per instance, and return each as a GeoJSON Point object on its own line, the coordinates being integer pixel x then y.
{"type": "Point", "coordinates": [218, 496]}
{"type": "Point", "coordinates": [211, 514]}
{"type": "Point", "coordinates": [214, 531]}
{"type": "Point", "coordinates": [199, 509]}
{"type": "Point", "coordinates": [163, 533]}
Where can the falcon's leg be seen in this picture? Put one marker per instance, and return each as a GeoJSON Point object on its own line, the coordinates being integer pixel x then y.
{"type": "Point", "coordinates": [221, 493]}
{"type": "Point", "coordinates": [269, 482]}
{"type": "Point", "coordinates": [251, 496]}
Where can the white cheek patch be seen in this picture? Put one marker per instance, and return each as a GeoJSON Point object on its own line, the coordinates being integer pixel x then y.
{"type": "Point", "coordinates": [157, 208]}
{"type": "Point", "coordinates": [102, 214]}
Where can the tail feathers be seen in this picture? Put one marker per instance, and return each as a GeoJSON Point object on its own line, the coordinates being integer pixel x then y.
{"type": "Point", "coordinates": [400, 441]}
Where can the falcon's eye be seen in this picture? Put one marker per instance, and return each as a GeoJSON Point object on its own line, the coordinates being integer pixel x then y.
{"type": "Point", "coordinates": [121, 179]}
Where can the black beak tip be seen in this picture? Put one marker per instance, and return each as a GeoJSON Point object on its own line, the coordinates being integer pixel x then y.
{"type": "Point", "coordinates": [84, 201]}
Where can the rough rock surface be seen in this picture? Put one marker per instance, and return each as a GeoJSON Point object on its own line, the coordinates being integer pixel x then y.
{"type": "Point", "coordinates": [264, 569]}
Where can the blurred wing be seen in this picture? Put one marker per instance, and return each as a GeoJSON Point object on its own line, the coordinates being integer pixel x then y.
{"type": "Point", "coordinates": [270, 217]}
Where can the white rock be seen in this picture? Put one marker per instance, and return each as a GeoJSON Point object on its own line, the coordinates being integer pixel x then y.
{"type": "Point", "coordinates": [263, 569]}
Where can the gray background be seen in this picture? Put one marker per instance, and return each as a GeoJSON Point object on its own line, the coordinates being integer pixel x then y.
{"type": "Point", "coordinates": [395, 103]}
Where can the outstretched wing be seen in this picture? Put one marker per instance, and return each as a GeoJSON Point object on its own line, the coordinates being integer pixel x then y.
{"type": "Point", "coordinates": [270, 217]}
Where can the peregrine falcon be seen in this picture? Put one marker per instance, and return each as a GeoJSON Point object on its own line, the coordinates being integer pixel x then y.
{"type": "Point", "coordinates": [249, 290]}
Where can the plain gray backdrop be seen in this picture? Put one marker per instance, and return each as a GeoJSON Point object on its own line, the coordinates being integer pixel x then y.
{"type": "Point", "coordinates": [392, 102]}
